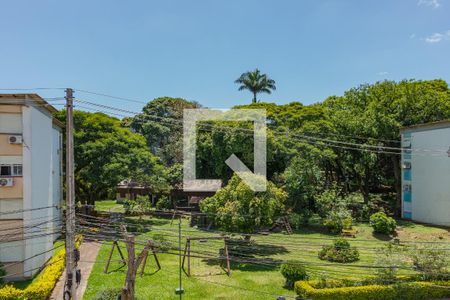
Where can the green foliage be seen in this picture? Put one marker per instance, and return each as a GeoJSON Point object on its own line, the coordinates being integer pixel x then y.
{"type": "Point", "coordinates": [381, 223]}
{"type": "Point", "coordinates": [2, 273]}
{"type": "Point", "coordinates": [163, 138]}
{"type": "Point", "coordinates": [340, 252]}
{"type": "Point", "coordinates": [237, 208]}
{"type": "Point", "coordinates": [161, 242]}
{"type": "Point", "coordinates": [293, 271]}
{"type": "Point", "coordinates": [256, 83]}
{"type": "Point", "coordinates": [138, 206]}
{"type": "Point", "coordinates": [303, 180]}
{"type": "Point", "coordinates": [432, 262]}
{"type": "Point", "coordinates": [164, 203]}
{"type": "Point", "coordinates": [106, 153]}
{"type": "Point", "coordinates": [391, 258]}
{"type": "Point", "coordinates": [337, 219]}
{"type": "Point", "coordinates": [403, 291]}
{"type": "Point", "coordinates": [109, 294]}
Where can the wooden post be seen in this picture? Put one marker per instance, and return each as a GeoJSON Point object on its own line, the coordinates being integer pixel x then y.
{"type": "Point", "coordinates": [189, 257]}
{"type": "Point", "coordinates": [133, 265]}
{"type": "Point", "coordinates": [128, 289]}
{"type": "Point", "coordinates": [227, 256]}
{"type": "Point", "coordinates": [109, 258]}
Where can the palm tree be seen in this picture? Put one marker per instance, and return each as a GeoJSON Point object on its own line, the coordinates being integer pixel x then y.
{"type": "Point", "coordinates": [256, 82]}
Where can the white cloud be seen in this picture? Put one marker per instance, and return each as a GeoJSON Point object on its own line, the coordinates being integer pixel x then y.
{"type": "Point", "coordinates": [431, 3]}
{"type": "Point", "coordinates": [384, 73]}
{"type": "Point", "coordinates": [412, 36]}
{"type": "Point", "coordinates": [438, 37]}
{"type": "Point", "coordinates": [434, 38]}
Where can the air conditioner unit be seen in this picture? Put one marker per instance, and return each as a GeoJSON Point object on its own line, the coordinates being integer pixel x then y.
{"type": "Point", "coordinates": [407, 188]}
{"type": "Point", "coordinates": [15, 139]}
{"type": "Point", "coordinates": [6, 182]}
{"type": "Point", "coordinates": [406, 165]}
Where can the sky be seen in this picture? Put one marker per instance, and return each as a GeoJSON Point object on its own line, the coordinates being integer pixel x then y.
{"type": "Point", "coordinates": [196, 49]}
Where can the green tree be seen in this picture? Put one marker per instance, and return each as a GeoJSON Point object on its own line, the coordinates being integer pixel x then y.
{"type": "Point", "coordinates": [161, 124]}
{"type": "Point", "coordinates": [256, 83]}
{"type": "Point", "coordinates": [238, 208]}
{"type": "Point", "coordinates": [106, 153]}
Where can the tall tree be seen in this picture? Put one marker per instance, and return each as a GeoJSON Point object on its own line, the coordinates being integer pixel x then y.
{"type": "Point", "coordinates": [161, 124]}
{"type": "Point", "coordinates": [106, 153]}
{"type": "Point", "coordinates": [256, 83]}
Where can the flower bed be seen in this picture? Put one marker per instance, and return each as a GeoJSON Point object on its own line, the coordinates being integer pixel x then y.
{"type": "Point", "coordinates": [42, 287]}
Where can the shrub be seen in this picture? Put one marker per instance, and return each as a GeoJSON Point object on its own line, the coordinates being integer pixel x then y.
{"type": "Point", "coordinates": [41, 288]}
{"type": "Point", "coordinates": [109, 294]}
{"type": "Point", "coordinates": [2, 273]}
{"type": "Point", "coordinates": [293, 271]}
{"type": "Point", "coordinates": [404, 291]}
{"type": "Point", "coordinates": [389, 257]}
{"type": "Point", "coordinates": [340, 252]}
{"type": "Point", "coordinates": [164, 203]}
{"type": "Point", "coordinates": [236, 207]}
{"type": "Point", "coordinates": [337, 219]}
{"type": "Point", "coordinates": [431, 262]}
{"type": "Point", "coordinates": [382, 223]}
{"type": "Point", "coordinates": [297, 221]}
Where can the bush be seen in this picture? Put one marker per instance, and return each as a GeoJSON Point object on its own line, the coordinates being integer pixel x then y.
{"type": "Point", "coordinates": [293, 271]}
{"type": "Point", "coordinates": [337, 219]}
{"type": "Point", "coordinates": [2, 273]}
{"type": "Point", "coordinates": [109, 294]}
{"type": "Point", "coordinates": [382, 223]}
{"type": "Point", "coordinates": [164, 203]}
{"type": "Point", "coordinates": [298, 221]}
{"type": "Point", "coordinates": [340, 252]}
{"type": "Point", "coordinates": [41, 288]}
{"type": "Point", "coordinates": [404, 291]}
{"type": "Point", "coordinates": [431, 262]}
{"type": "Point", "coordinates": [389, 257]}
{"type": "Point", "coordinates": [236, 207]}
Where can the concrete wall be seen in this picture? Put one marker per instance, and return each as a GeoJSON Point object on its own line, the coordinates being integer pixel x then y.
{"type": "Point", "coordinates": [429, 177]}
{"type": "Point", "coordinates": [41, 184]}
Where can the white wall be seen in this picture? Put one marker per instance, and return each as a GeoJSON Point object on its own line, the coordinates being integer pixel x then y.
{"type": "Point", "coordinates": [40, 162]}
{"type": "Point", "coordinates": [431, 177]}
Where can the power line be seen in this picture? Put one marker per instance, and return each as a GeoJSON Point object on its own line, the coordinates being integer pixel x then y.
{"type": "Point", "coordinates": [290, 135]}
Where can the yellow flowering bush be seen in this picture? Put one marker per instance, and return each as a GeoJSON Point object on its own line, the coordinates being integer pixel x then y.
{"type": "Point", "coordinates": [41, 288]}
{"type": "Point", "coordinates": [404, 290]}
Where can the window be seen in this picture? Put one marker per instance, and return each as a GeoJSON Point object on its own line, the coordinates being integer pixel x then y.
{"type": "Point", "coordinates": [5, 170]}
{"type": "Point", "coordinates": [17, 170]}
{"type": "Point", "coordinates": [11, 170]}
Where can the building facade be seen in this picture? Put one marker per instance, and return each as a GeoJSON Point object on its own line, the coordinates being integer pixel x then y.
{"type": "Point", "coordinates": [30, 183]}
{"type": "Point", "coordinates": [426, 173]}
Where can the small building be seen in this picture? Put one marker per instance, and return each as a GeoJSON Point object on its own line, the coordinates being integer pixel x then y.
{"type": "Point", "coordinates": [426, 173]}
{"type": "Point", "coordinates": [30, 183]}
{"type": "Point", "coordinates": [128, 189]}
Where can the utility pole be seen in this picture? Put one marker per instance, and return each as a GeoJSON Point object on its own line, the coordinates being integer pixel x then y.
{"type": "Point", "coordinates": [70, 285]}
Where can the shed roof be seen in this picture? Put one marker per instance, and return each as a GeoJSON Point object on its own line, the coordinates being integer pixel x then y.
{"type": "Point", "coordinates": [426, 126]}
{"type": "Point", "coordinates": [21, 99]}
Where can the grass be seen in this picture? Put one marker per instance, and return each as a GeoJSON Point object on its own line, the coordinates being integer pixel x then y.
{"type": "Point", "coordinates": [108, 205]}
{"type": "Point", "coordinates": [260, 280]}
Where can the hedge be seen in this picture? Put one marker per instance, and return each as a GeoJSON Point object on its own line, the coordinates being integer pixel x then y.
{"type": "Point", "coordinates": [404, 291]}
{"type": "Point", "coordinates": [42, 287]}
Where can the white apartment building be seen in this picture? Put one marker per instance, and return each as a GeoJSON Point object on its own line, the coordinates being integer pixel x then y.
{"type": "Point", "coordinates": [30, 183]}
{"type": "Point", "coordinates": [426, 173]}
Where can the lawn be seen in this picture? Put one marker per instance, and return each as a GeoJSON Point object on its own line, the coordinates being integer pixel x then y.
{"type": "Point", "coordinates": [108, 205]}
{"type": "Point", "coordinates": [259, 279]}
